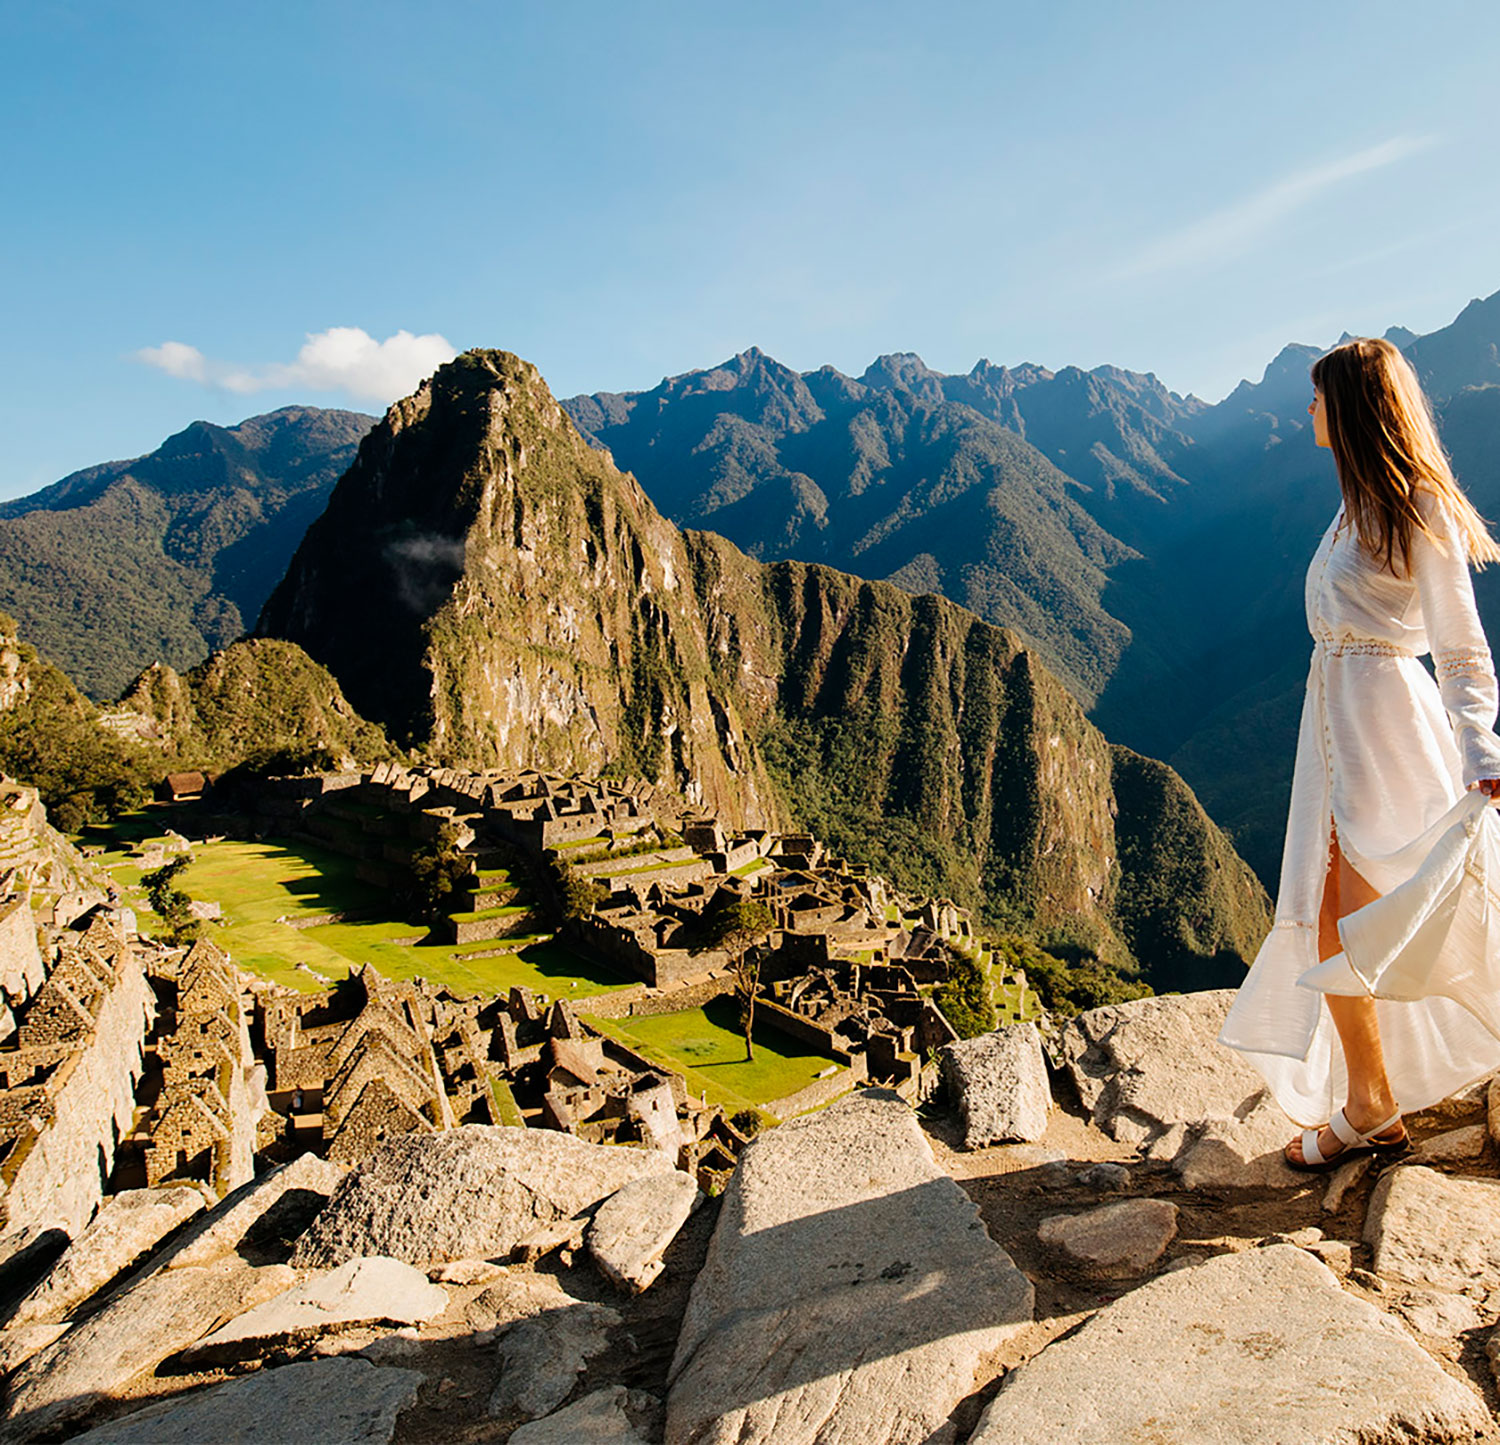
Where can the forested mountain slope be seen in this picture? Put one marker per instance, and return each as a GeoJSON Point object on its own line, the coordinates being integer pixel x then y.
{"type": "Point", "coordinates": [170, 556]}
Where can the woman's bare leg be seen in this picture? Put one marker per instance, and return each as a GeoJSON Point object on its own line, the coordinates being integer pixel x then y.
{"type": "Point", "coordinates": [1370, 1100]}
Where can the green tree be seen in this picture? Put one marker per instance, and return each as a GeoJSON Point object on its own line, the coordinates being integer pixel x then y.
{"type": "Point", "coordinates": [170, 903]}
{"type": "Point", "coordinates": [965, 999]}
{"type": "Point", "coordinates": [576, 894]}
{"type": "Point", "coordinates": [1066, 987]}
{"type": "Point", "coordinates": [437, 870]}
{"type": "Point", "coordinates": [52, 740]}
{"type": "Point", "coordinates": [737, 925]}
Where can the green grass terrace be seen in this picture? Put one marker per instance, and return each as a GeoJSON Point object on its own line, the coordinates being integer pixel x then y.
{"type": "Point", "coordinates": [705, 1046]}
{"type": "Point", "coordinates": [264, 887]}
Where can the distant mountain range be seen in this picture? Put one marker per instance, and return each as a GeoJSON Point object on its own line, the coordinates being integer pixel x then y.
{"type": "Point", "coordinates": [170, 556]}
{"type": "Point", "coordinates": [1149, 546]}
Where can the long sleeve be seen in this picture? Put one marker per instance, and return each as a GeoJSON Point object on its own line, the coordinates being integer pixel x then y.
{"type": "Point", "coordinates": [1460, 655]}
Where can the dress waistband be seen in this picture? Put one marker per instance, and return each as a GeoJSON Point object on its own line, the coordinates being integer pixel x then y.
{"type": "Point", "coordinates": [1359, 647]}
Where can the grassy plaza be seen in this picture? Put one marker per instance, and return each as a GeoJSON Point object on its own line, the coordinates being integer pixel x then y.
{"type": "Point", "coordinates": [705, 1046]}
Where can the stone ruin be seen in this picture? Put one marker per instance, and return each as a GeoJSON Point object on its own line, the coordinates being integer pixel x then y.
{"type": "Point", "coordinates": [209, 1091]}
{"type": "Point", "coordinates": [69, 1071]}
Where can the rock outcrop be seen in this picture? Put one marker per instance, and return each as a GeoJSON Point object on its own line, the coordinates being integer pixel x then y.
{"type": "Point", "coordinates": [1430, 1229]}
{"type": "Point", "coordinates": [542, 1356]}
{"type": "Point", "coordinates": [307, 1179]}
{"type": "Point", "coordinates": [1152, 1073]}
{"type": "Point", "coordinates": [632, 1229]}
{"type": "Point", "coordinates": [136, 1331]}
{"type": "Point", "coordinates": [331, 1402]}
{"type": "Point", "coordinates": [471, 1192]}
{"type": "Point", "coordinates": [1115, 1241]}
{"type": "Point", "coordinates": [603, 1417]}
{"type": "Point", "coordinates": [849, 1292]}
{"type": "Point", "coordinates": [999, 1083]}
{"type": "Point", "coordinates": [360, 1292]}
{"type": "Point", "coordinates": [1243, 1349]}
{"type": "Point", "coordinates": [128, 1227]}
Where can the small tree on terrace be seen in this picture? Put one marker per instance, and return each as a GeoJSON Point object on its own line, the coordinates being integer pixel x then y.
{"type": "Point", "coordinates": [170, 903]}
{"type": "Point", "coordinates": [737, 924]}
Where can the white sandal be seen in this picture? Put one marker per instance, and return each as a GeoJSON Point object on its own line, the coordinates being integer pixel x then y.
{"type": "Point", "coordinates": [1354, 1143]}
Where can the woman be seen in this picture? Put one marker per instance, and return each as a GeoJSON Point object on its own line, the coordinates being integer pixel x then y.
{"type": "Point", "coordinates": [1384, 898]}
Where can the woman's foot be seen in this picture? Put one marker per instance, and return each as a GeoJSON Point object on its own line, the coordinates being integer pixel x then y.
{"type": "Point", "coordinates": [1341, 1139]}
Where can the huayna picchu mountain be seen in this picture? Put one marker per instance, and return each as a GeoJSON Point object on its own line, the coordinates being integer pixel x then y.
{"type": "Point", "coordinates": [493, 590]}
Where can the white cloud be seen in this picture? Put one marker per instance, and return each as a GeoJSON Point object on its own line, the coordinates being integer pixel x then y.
{"type": "Point", "coordinates": [1236, 228]}
{"type": "Point", "coordinates": [343, 358]}
{"type": "Point", "coordinates": [184, 362]}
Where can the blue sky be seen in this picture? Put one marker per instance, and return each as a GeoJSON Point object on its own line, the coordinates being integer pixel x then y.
{"type": "Point", "coordinates": [622, 192]}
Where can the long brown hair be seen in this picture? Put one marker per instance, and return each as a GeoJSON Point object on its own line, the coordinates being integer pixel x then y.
{"type": "Point", "coordinates": [1387, 451]}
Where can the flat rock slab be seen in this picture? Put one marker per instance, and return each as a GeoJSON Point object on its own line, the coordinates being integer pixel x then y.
{"type": "Point", "coordinates": [1240, 1151]}
{"type": "Point", "coordinates": [19, 1344]}
{"type": "Point", "coordinates": [308, 1179]}
{"type": "Point", "coordinates": [1115, 1241]}
{"type": "Point", "coordinates": [542, 1357]}
{"type": "Point", "coordinates": [1436, 1230]}
{"type": "Point", "coordinates": [999, 1083]}
{"type": "Point", "coordinates": [466, 1193]}
{"type": "Point", "coordinates": [1258, 1348]}
{"type": "Point", "coordinates": [1142, 1067]}
{"type": "Point", "coordinates": [633, 1227]}
{"type": "Point", "coordinates": [361, 1291]}
{"type": "Point", "coordinates": [1443, 1316]}
{"type": "Point", "coordinates": [128, 1227]}
{"type": "Point", "coordinates": [135, 1331]}
{"type": "Point", "coordinates": [466, 1272]}
{"type": "Point", "coordinates": [849, 1293]}
{"type": "Point", "coordinates": [342, 1401]}
{"type": "Point", "coordinates": [604, 1416]}
{"type": "Point", "coordinates": [1466, 1145]}
{"type": "Point", "coordinates": [1345, 1177]}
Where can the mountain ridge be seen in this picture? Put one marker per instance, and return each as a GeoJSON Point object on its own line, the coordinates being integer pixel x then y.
{"type": "Point", "coordinates": [168, 556]}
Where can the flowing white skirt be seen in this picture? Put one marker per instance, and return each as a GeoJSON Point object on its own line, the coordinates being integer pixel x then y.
{"type": "Point", "coordinates": [1428, 951]}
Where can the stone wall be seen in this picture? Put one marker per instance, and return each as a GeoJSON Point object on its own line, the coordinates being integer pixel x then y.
{"type": "Point", "coordinates": [804, 1030]}
{"type": "Point", "coordinates": [21, 966]}
{"type": "Point", "coordinates": [59, 1182]}
{"type": "Point", "coordinates": [635, 1003]}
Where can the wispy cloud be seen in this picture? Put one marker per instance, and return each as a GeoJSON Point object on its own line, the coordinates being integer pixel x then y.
{"type": "Point", "coordinates": [343, 358]}
{"type": "Point", "coordinates": [1236, 228]}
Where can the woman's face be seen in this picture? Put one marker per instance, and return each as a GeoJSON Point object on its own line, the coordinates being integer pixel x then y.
{"type": "Point", "coordinates": [1319, 414]}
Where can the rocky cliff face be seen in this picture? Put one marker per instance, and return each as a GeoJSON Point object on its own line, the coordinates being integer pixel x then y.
{"type": "Point", "coordinates": [495, 590]}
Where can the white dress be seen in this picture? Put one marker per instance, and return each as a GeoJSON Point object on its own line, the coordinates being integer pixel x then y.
{"type": "Point", "coordinates": [1385, 755]}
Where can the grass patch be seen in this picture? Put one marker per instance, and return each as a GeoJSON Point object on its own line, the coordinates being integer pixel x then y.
{"type": "Point", "coordinates": [507, 1111]}
{"type": "Point", "coordinates": [258, 883]}
{"type": "Point", "coordinates": [705, 1046]}
{"type": "Point", "coordinates": [506, 910]}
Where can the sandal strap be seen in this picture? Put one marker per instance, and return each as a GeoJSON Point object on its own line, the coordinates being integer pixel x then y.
{"type": "Point", "coordinates": [1311, 1154]}
{"type": "Point", "coordinates": [1345, 1132]}
{"type": "Point", "coordinates": [1379, 1129]}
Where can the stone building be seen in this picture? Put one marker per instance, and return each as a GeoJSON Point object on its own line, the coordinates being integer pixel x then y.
{"type": "Point", "coordinates": [203, 1121]}
{"type": "Point", "coordinates": [68, 1076]}
{"type": "Point", "coordinates": [362, 1058]}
